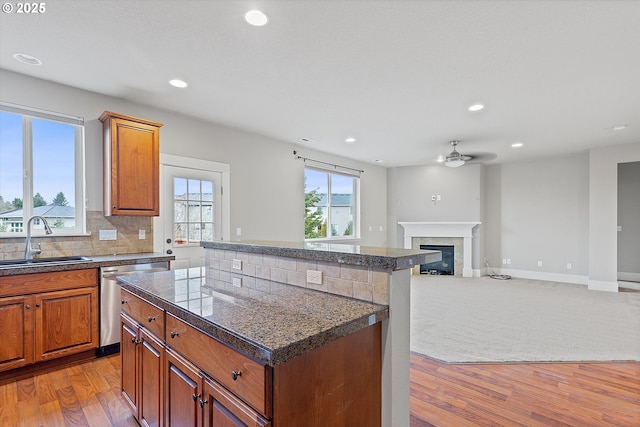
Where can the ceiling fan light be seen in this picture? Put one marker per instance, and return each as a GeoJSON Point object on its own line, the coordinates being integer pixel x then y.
{"type": "Point", "coordinates": [454, 163]}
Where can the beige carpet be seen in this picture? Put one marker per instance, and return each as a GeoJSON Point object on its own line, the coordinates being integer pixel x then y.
{"type": "Point", "coordinates": [488, 320]}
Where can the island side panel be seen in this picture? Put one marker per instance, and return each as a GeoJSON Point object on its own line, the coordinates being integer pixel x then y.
{"type": "Point", "coordinates": [336, 385]}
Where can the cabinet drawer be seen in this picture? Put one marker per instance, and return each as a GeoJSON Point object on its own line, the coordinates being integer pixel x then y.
{"type": "Point", "coordinates": [221, 362]}
{"type": "Point", "coordinates": [143, 312]}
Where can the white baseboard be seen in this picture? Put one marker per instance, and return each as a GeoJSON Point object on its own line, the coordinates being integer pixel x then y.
{"type": "Point", "coordinates": [601, 285]}
{"type": "Point", "coordinates": [629, 277]}
{"type": "Point", "coordinates": [541, 275]}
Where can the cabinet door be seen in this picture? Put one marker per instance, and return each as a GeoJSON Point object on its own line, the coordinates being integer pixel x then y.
{"type": "Point", "coordinates": [150, 371]}
{"type": "Point", "coordinates": [129, 362]}
{"type": "Point", "coordinates": [16, 330]}
{"type": "Point", "coordinates": [223, 409]}
{"type": "Point", "coordinates": [66, 322]}
{"type": "Point", "coordinates": [183, 392]}
{"type": "Point", "coordinates": [132, 178]}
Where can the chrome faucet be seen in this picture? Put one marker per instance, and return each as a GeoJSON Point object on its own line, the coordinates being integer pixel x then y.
{"type": "Point", "coordinates": [29, 252]}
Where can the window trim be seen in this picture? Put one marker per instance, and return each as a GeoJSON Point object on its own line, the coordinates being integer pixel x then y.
{"type": "Point", "coordinates": [355, 205]}
{"type": "Point", "coordinates": [28, 114]}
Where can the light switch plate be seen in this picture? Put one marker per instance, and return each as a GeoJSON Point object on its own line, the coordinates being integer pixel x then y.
{"type": "Point", "coordinates": [237, 264]}
{"type": "Point", "coordinates": [142, 234]}
{"type": "Point", "coordinates": [237, 282]}
{"type": "Point", "coordinates": [108, 234]}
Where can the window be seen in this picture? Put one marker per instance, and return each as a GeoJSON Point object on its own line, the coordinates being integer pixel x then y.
{"type": "Point", "coordinates": [41, 171]}
{"type": "Point", "coordinates": [331, 201]}
{"type": "Point", "coordinates": [193, 211]}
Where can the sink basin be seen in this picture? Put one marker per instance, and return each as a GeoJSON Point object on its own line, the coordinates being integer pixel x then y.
{"type": "Point", "coordinates": [59, 259]}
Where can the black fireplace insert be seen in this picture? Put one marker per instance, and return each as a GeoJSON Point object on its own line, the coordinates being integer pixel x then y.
{"type": "Point", "coordinates": [443, 267]}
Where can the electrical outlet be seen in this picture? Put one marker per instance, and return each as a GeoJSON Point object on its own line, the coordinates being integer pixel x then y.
{"type": "Point", "coordinates": [237, 282]}
{"type": "Point", "coordinates": [314, 276]}
{"type": "Point", "coordinates": [433, 198]}
{"type": "Point", "coordinates": [237, 264]}
{"type": "Point", "coordinates": [438, 197]}
{"type": "Point", "coordinates": [509, 261]}
{"type": "Point", "coordinates": [142, 234]}
{"type": "Point", "coordinates": [539, 263]}
{"type": "Point", "coordinates": [569, 266]}
{"type": "Point", "coordinates": [504, 260]}
{"type": "Point", "coordinates": [238, 231]}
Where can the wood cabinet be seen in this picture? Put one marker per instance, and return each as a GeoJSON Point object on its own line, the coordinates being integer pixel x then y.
{"type": "Point", "coordinates": [55, 315]}
{"type": "Point", "coordinates": [143, 361]}
{"type": "Point", "coordinates": [223, 409]}
{"type": "Point", "coordinates": [16, 329]}
{"type": "Point", "coordinates": [183, 393]}
{"type": "Point", "coordinates": [65, 322]}
{"type": "Point", "coordinates": [131, 165]}
{"type": "Point", "coordinates": [207, 383]}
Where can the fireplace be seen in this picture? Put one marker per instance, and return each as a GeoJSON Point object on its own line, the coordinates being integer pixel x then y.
{"type": "Point", "coordinates": [459, 234]}
{"type": "Point", "coordinates": [444, 267]}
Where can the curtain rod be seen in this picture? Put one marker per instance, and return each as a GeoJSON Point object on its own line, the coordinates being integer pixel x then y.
{"type": "Point", "coordinates": [305, 159]}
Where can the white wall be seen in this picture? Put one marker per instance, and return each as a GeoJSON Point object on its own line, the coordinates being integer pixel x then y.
{"type": "Point", "coordinates": [267, 183]}
{"type": "Point", "coordinates": [603, 212]}
{"type": "Point", "coordinates": [629, 220]}
{"type": "Point", "coordinates": [538, 211]}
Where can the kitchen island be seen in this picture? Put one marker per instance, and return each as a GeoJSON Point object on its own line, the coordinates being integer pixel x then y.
{"type": "Point", "coordinates": [372, 274]}
{"type": "Point", "coordinates": [266, 355]}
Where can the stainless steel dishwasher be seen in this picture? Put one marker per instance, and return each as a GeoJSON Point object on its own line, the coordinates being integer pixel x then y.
{"type": "Point", "coordinates": [110, 302]}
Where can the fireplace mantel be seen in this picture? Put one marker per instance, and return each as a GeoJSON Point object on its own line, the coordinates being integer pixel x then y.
{"type": "Point", "coordinates": [444, 229]}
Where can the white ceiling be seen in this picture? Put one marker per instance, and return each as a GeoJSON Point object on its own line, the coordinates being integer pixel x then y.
{"type": "Point", "coordinates": [396, 75]}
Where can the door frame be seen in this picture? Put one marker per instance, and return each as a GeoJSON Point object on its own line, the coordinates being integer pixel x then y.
{"type": "Point", "coordinates": [205, 165]}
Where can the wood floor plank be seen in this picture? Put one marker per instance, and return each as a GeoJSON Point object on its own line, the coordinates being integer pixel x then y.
{"type": "Point", "coordinates": [441, 395]}
{"type": "Point", "coordinates": [539, 394]}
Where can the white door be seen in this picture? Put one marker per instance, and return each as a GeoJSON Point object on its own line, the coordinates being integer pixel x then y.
{"type": "Point", "coordinates": [191, 211]}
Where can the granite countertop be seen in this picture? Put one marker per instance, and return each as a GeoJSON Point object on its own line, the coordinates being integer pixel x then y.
{"type": "Point", "coordinates": [93, 262]}
{"type": "Point", "coordinates": [272, 325]}
{"type": "Point", "coordinates": [369, 256]}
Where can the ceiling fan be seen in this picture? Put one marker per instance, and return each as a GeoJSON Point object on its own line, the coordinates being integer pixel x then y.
{"type": "Point", "coordinates": [455, 159]}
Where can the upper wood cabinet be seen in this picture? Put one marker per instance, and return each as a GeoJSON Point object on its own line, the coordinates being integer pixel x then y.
{"type": "Point", "coordinates": [131, 165]}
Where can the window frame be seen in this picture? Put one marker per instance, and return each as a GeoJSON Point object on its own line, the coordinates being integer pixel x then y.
{"type": "Point", "coordinates": [27, 115]}
{"type": "Point", "coordinates": [355, 205]}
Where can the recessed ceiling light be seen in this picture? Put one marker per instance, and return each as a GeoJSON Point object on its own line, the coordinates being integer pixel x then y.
{"type": "Point", "coordinates": [379, 161]}
{"type": "Point", "coordinates": [619, 127]}
{"type": "Point", "coordinates": [256, 18]}
{"type": "Point", "coordinates": [178, 83]}
{"type": "Point", "coordinates": [27, 59]}
{"type": "Point", "coordinates": [476, 107]}
{"type": "Point", "coordinates": [350, 140]}
{"type": "Point", "coordinates": [307, 140]}
{"type": "Point", "coordinates": [517, 144]}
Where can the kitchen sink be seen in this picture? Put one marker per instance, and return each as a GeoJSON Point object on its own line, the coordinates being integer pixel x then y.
{"type": "Point", "coordinates": [59, 259]}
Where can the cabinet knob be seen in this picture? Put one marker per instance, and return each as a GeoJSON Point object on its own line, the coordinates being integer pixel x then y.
{"type": "Point", "coordinates": [38, 305]}
{"type": "Point", "coordinates": [235, 375]}
{"type": "Point", "coordinates": [196, 396]}
{"type": "Point", "coordinates": [27, 306]}
{"type": "Point", "coordinates": [151, 318]}
{"type": "Point", "coordinates": [174, 334]}
{"type": "Point", "coordinates": [124, 301]}
{"type": "Point", "coordinates": [203, 402]}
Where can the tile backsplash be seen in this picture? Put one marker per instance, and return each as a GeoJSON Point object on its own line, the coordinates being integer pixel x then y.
{"type": "Point", "coordinates": [127, 241]}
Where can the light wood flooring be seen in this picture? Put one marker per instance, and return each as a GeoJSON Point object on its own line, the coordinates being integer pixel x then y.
{"type": "Point", "coordinates": [524, 394]}
{"type": "Point", "coordinates": [548, 394]}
